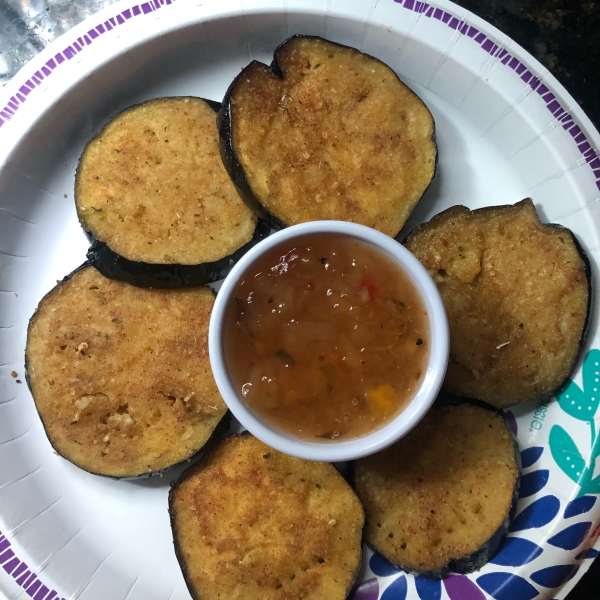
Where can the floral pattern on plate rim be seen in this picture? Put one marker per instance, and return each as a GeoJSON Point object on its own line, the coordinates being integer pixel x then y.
{"type": "Point", "coordinates": [540, 512]}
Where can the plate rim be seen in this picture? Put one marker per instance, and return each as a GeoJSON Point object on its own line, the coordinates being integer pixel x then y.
{"type": "Point", "coordinates": [14, 130]}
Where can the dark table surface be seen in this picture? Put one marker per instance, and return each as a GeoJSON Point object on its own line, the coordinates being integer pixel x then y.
{"type": "Point", "coordinates": [564, 35]}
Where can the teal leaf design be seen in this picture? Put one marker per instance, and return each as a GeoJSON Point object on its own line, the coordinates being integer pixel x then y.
{"type": "Point", "coordinates": [577, 403]}
{"type": "Point", "coordinates": [593, 487]}
{"type": "Point", "coordinates": [566, 454]}
{"type": "Point", "coordinates": [591, 370]}
{"type": "Point", "coordinates": [582, 404]}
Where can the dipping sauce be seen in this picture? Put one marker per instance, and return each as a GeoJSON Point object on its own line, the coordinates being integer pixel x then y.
{"type": "Point", "coordinates": [326, 338]}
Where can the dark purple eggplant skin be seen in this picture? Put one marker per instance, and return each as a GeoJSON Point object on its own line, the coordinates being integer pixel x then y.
{"type": "Point", "coordinates": [231, 162]}
{"type": "Point", "coordinates": [220, 431]}
{"type": "Point", "coordinates": [141, 274]}
{"type": "Point", "coordinates": [484, 554]}
{"type": "Point", "coordinates": [216, 106]}
{"type": "Point", "coordinates": [587, 267]}
{"type": "Point", "coordinates": [229, 157]}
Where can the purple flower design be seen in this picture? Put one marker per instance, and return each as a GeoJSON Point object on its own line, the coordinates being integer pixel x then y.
{"type": "Point", "coordinates": [367, 590]}
{"type": "Point", "coordinates": [459, 587]}
{"type": "Point", "coordinates": [511, 421]}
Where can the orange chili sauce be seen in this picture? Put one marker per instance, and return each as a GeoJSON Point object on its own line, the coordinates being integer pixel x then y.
{"type": "Point", "coordinates": [326, 338]}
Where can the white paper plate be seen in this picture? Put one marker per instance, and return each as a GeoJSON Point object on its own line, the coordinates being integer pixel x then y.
{"type": "Point", "coordinates": [506, 130]}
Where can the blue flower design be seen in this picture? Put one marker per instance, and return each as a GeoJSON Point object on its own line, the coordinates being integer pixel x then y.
{"type": "Point", "coordinates": [529, 456]}
{"type": "Point", "coordinates": [572, 536]}
{"type": "Point", "coordinates": [396, 590]}
{"type": "Point", "coordinates": [553, 577]}
{"type": "Point", "coordinates": [506, 586]}
{"type": "Point", "coordinates": [537, 514]}
{"type": "Point", "coordinates": [579, 506]}
{"type": "Point", "coordinates": [533, 482]}
{"type": "Point", "coordinates": [516, 552]}
{"type": "Point", "coordinates": [428, 589]}
{"type": "Point", "coordinates": [382, 566]}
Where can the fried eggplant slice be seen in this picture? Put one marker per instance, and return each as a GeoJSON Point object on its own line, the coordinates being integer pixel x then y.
{"type": "Point", "coordinates": [120, 375]}
{"type": "Point", "coordinates": [517, 293]}
{"type": "Point", "coordinates": [327, 132]}
{"type": "Point", "coordinates": [251, 522]}
{"type": "Point", "coordinates": [142, 274]}
{"type": "Point", "coordinates": [151, 188]}
{"type": "Point", "coordinates": [441, 499]}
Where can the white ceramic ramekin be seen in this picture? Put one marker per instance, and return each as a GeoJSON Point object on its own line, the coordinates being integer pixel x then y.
{"type": "Point", "coordinates": [332, 451]}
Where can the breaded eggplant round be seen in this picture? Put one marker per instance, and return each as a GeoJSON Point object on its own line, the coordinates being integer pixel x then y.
{"type": "Point", "coordinates": [151, 186]}
{"type": "Point", "coordinates": [327, 132]}
{"type": "Point", "coordinates": [517, 294]}
{"type": "Point", "coordinates": [250, 522]}
{"type": "Point", "coordinates": [121, 376]}
{"type": "Point", "coordinates": [441, 498]}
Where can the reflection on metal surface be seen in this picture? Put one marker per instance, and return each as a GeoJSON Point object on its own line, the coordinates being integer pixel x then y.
{"type": "Point", "coordinates": [28, 26]}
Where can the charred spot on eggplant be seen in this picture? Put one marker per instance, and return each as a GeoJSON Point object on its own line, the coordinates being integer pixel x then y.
{"type": "Point", "coordinates": [251, 522]}
{"type": "Point", "coordinates": [121, 376]}
{"type": "Point", "coordinates": [441, 499]}
{"type": "Point", "coordinates": [153, 195]}
{"type": "Point", "coordinates": [517, 293]}
{"type": "Point", "coordinates": [327, 132]}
